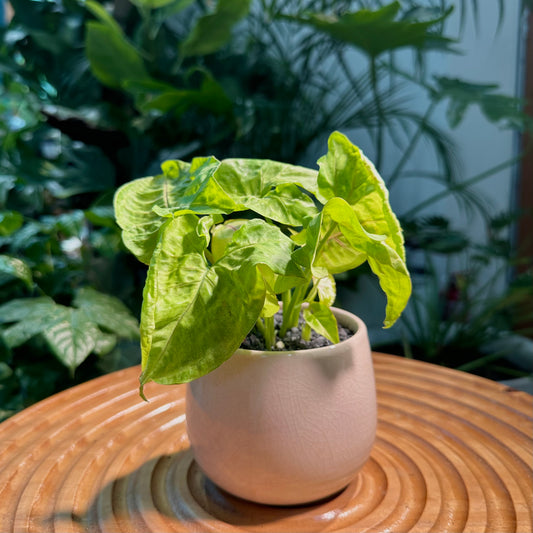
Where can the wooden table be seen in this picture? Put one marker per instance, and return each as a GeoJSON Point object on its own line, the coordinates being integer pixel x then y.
{"type": "Point", "coordinates": [454, 452]}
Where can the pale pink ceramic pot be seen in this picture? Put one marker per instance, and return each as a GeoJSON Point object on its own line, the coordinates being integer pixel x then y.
{"type": "Point", "coordinates": [286, 428]}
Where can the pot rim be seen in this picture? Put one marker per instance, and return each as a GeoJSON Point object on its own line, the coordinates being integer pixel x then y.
{"type": "Point", "coordinates": [345, 318]}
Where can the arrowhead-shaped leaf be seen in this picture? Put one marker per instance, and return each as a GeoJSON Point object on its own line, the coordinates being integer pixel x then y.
{"type": "Point", "coordinates": [194, 315]}
{"type": "Point", "coordinates": [136, 202]}
{"type": "Point", "coordinates": [337, 241]}
{"type": "Point", "coordinates": [320, 317]}
{"type": "Point", "coordinates": [346, 173]}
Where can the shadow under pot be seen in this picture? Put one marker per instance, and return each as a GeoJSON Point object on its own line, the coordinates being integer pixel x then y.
{"type": "Point", "coordinates": [286, 428]}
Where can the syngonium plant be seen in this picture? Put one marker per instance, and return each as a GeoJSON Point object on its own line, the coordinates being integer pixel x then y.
{"type": "Point", "coordinates": [227, 240]}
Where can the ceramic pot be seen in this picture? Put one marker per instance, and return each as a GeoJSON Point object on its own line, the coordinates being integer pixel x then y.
{"type": "Point", "coordinates": [286, 428]}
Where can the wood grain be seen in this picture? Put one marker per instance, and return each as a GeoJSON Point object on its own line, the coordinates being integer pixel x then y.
{"type": "Point", "coordinates": [454, 452]}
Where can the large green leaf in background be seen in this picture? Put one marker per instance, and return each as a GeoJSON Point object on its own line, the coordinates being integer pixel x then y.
{"type": "Point", "coordinates": [346, 173]}
{"type": "Point", "coordinates": [376, 32]}
{"type": "Point", "coordinates": [210, 96]}
{"type": "Point", "coordinates": [72, 333]}
{"type": "Point", "coordinates": [462, 95]}
{"type": "Point", "coordinates": [72, 338]}
{"type": "Point", "coordinates": [155, 4]}
{"type": "Point", "coordinates": [212, 31]}
{"type": "Point", "coordinates": [113, 59]}
{"type": "Point", "coordinates": [108, 312]}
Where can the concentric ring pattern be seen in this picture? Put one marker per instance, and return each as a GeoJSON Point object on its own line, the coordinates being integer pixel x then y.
{"type": "Point", "coordinates": [454, 452]}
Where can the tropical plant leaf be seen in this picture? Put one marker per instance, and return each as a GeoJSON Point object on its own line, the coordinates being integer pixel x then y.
{"type": "Point", "coordinates": [327, 291]}
{"type": "Point", "coordinates": [105, 344]}
{"type": "Point", "coordinates": [337, 242]}
{"type": "Point", "coordinates": [113, 60]}
{"type": "Point", "coordinates": [10, 221]}
{"type": "Point", "coordinates": [107, 311]}
{"type": "Point", "coordinates": [20, 308]}
{"type": "Point", "coordinates": [155, 4]}
{"type": "Point", "coordinates": [135, 202]}
{"type": "Point", "coordinates": [194, 316]}
{"type": "Point", "coordinates": [33, 316]}
{"type": "Point", "coordinates": [260, 244]}
{"type": "Point", "coordinates": [212, 31]}
{"type": "Point", "coordinates": [266, 187]}
{"type": "Point", "coordinates": [346, 173]}
{"type": "Point", "coordinates": [73, 337]}
{"type": "Point", "coordinates": [376, 32]}
{"type": "Point", "coordinates": [462, 95]}
{"type": "Point", "coordinates": [320, 317]}
{"type": "Point", "coordinates": [209, 97]}
{"type": "Point", "coordinates": [12, 267]}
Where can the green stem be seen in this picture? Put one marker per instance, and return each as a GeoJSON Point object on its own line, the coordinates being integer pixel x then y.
{"type": "Point", "coordinates": [377, 102]}
{"type": "Point", "coordinates": [312, 293]}
{"type": "Point", "coordinates": [269, 333]}
{"type": "Point", "coordinates": [291, 312]}
{"type": "Point", "coordinates": [260, 326]}
{"type": "Point", "coordinates": [460, 186]}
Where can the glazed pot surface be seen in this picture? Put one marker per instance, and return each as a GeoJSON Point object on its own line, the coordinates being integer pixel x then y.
{"type": "Point", "coordinates": [286, 428]}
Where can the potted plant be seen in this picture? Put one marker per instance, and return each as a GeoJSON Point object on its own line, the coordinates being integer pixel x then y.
{"type": "Point", "coordinates": [243, 245]}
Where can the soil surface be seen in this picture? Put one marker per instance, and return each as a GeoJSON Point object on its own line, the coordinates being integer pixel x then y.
{"type": "Point", "coordinates": [293, 339]}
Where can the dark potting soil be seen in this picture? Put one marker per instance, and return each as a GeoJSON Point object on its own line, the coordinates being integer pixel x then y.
{"type": "Point", "coordinates": [293, 338]}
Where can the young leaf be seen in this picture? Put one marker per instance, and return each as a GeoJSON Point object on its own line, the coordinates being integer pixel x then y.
{"type": "Point", "coordinates": [346, 173]}
{"type": "Point", "coordinates": [326, 290]}
{"type": "Point", "coordinates": [263, 245]}
{"type": "Point", "coordinates": [257, 242]}
{"type": "Point", "coordinates": [320, 317]}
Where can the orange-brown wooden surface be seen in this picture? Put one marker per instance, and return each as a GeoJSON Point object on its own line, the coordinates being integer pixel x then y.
{"type": "Point", "coordinates": [453, 453]}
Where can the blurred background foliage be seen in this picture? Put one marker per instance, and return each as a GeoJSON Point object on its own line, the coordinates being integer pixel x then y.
{"type": "Point", "coordinates": [94, 94]}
